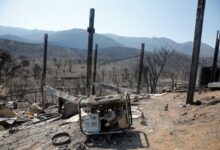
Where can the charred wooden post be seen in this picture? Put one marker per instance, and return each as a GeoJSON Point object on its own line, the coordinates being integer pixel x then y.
{"type": "Point", "coordinates": [44, 67]}
{"type": "Point", "coordinates": [94, 69]}
{"type": "Point", "coordinates": [90, 31]}
{"type": "Point", "coordinates": [196, 50]}
{"type": "Point", "coordinates": [215, 59]}
{"type": "Point", "coordinates": [140, 68]}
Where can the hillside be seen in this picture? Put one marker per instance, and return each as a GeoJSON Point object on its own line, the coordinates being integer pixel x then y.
{"type": "Point", "coordinates": [4, 30]}
{"type": "Point", "coordinates": [13, 37]}
{"type": "Point", "coordinates": [151, 43]}
{"type": "Point", "coordinates": [78, 38]}
{"type": "Point", "coordinates": [35, 51]}
{"type": "Point", "coordinates": [74, 38]}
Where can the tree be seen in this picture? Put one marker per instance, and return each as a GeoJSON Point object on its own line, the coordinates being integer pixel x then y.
{"type": "Point", "coordinates": [70, 62]}
{"type": "Point", "coordinates": [125, 74]}
{"type": "Point", "coordinates": [36, 71]}
{"type": "Point", "coordinates": [9, 65]}
{"type": "Point", "coordinates": [57, 63]}
{"type": "Point", "coordinates": [5, 57]}
{"type": "Point", "coordinates": [154, 65]}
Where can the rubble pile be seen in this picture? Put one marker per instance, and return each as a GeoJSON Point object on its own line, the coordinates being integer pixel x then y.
{"type": "Point", "coordinates": [159, 120]}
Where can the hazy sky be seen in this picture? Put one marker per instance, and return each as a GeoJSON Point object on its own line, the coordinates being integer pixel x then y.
{"type": "Point", "coordinates": [174, 19]}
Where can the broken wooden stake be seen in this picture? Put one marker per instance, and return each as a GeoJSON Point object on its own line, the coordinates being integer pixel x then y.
{"type": "Point", "coordinates": [90, 31]}
{"type": "Point", "coordinates": [94, 69]}
{"type": "Point", "coordinates": [44, 67]}
{"type": "Point", "coordinates": [196, 51]}
{"type": "Point", "coordinates": [140, 68]}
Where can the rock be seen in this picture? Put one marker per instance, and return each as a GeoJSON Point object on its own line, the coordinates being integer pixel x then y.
{"type": "Point", "coordinates": [194, 117]}
{"type": "Point", "coordinates": [143, 119]}
{"type": "Point", "coordinates": [80, 146]}
{"type": "Point", "coordinates": [2, 127]}
{"type": "Point", "coordinates": [35, 119]}
{"type": "Point", "coordinates": [197, 103]}
{"type": "Point", "coordinates": [150, 131]}
{"type": "Point", "coordinates": [166, 107]}
{"type": "Point", "coordinates": [212, 97]}
{"type": "Point", "coordinates": [171, 133]}
{"type": "Point", "coordinates": [183, 113]}
{"type": "Point", "coordinates": [13, 130]}
{"type": "Point", "coordinates": [184, 106]}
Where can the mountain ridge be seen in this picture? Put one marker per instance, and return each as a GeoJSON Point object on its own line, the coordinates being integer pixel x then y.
{"type": "Point", "coordinates": [78, 38]}
{"type": "Point", "coordinates": [157, 42]}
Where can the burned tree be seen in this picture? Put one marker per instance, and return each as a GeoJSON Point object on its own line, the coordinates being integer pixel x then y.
{"type": "Point", "coordinates": [57, 63]}
{"type": "Point", "coordinates": [36, 71]}
{"type": "Point", "coordinates": [5, 57]}
{"type": "Point", "coordinates": [9, 65]}
{"type": "Point", "coordinates": [176, 68]}
{"type": "Point", "coordinates": [70, 62]}
{"type": "Point", "coordinates": [154, 65]}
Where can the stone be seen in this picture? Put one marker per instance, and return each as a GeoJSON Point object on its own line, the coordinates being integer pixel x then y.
{"type": "Point", "coordinates": [166, 107]}
{"type": "Point", "coordinates": [183, 114]}
{"type": "Point", "coordinates": [143, 119]}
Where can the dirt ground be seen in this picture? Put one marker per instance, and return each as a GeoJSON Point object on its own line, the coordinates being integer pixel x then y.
{"type": "Point", "coordinates": [181, 127]}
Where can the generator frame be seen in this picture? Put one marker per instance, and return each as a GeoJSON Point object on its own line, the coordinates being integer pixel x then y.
{"type": "Point", "coordinates": [105, 102]}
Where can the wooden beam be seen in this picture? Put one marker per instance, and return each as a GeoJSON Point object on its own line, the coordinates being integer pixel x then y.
{"type": "Point", "coordinates": [140, 68]}
{"type": "Point", "coordinates": [94, 69]}
{"type": "Point", "coordinates": [52, 91]}
{"type": "Point", "coordinates": [44, 67]}
{"type": "Point", "coordinates": [114, 88]}
{"type": "Point", "coordinates": [90, 31]}
{"type": "Point", "coordinates": [215, 58]}
{"type": "Point", "coordinates": [196, 50]}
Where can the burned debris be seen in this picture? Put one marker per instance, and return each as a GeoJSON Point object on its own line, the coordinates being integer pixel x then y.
{"type": "Point", "coordinates": [94, 109]}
